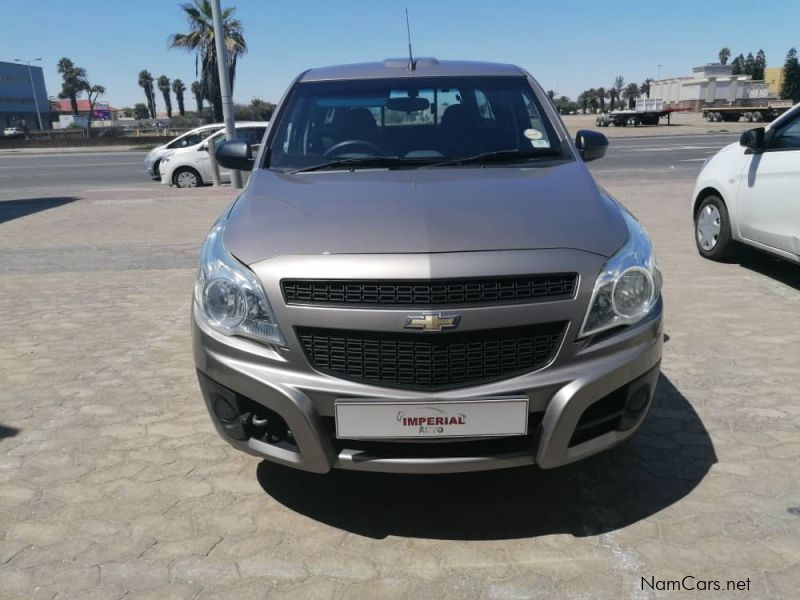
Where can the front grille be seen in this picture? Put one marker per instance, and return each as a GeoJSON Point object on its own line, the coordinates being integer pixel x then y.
{"type": "Point", "coordinates": [496, 290]}
{"type": "Point", "coordinates": [436, 360]}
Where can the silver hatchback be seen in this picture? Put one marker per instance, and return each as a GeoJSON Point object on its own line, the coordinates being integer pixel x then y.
{"type": "Point", "coordinates": [422, 276]}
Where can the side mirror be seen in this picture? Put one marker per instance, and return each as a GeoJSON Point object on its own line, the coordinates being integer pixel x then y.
{"type": "Point", "coordinates": [235, 154]}
{"type": "Point", "coordinates": [591, 144]}
{"type": "Point", "coordinates": [754, 139]}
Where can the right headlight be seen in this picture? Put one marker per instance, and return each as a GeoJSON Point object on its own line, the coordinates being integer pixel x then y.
{"type": "Point", "coordinates": [629, 285]}
{"type": "Point", "coordinates": [229, 296]}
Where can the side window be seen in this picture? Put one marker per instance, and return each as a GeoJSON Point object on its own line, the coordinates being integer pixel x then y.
{"type": "Point", "coordinates": [788, 138]}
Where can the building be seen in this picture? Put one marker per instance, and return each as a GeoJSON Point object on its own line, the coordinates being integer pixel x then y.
{"type": "Point", "coordinates": [774, 79]}
{"type": "Point", "coordinates": [712, 83]}
{"type": "Point", "coordinates": [103, 113]}
{"type": "Point", "coordinates": [21, 88]}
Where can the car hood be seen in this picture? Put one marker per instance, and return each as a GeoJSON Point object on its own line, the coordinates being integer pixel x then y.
{"type": "Point", "coordinates": [425, 210]}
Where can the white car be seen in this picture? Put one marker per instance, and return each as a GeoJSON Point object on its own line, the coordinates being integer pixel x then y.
{"type": "Point", "coordinates": [749, 193]}
{"type": "Point", "coordinates": [153, 159]}
{"type": "Point", "coordinates": [191, 166]}
{"type": "Point", "coordinates": [13, 132]}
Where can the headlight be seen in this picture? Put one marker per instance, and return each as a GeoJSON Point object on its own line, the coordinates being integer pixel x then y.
{"type": "Point", "coordinates": [629, 285]}
{"type": "Point", "coordinates": [229, 296]}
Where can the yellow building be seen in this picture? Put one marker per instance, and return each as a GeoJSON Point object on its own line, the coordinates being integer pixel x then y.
{"type": "Point", "coordinates": [774, 78]}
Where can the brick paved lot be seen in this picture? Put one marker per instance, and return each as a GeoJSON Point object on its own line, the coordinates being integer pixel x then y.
{"type": "Point", "coordinates": [113, 483]}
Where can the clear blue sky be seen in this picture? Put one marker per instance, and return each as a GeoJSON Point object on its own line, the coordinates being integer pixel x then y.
{"type": "Point", "coordinates": [568, 45]}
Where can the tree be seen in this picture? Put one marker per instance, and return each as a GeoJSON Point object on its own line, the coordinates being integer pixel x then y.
{"type": "Point", "coordinates": [197, 91]}
{"type": "Point", "coordinates": [93, 92]}
{"type": "Point", "coordinates": [179, 88]}
{"type": "Point", "coordinates": [583, 100]}
{"type": "Point", "coordinates": [630, 94]}
{"type": "Point", "coordinates": [790, 89]}
{"type": "Point", "coordinates": [146, 83]}
{"type": "Point", "coordinates": [551, 94]}
{"type": "Point", "coordinates": [164, 86]}
{"type": "Point", "coordinates": [261, 110]}
{"type": "Point", "coordinates": [73, 82]}
{"type": "Point", "coordinates": [760, 65]}
{"type": "Point", "coordinates": [200, 39]}
{"type": "Point", "coordinates": [724, 55]}
{"type": "Point", "coordinates": [738, 65]}
{"type": "Point", "coordinates": [619, 83]}
{"type": "Point", "coordinates": [645, 87]}
{"type": "Point", "coordinates": [140, 111]}
{"type": "Point", "coordinates": [749, 64]}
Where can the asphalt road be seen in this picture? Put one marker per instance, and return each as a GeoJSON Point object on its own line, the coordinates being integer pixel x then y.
{"type": "Point", "coordinates": [31, 175]}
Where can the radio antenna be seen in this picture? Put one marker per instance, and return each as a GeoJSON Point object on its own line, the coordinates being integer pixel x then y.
{"type": "Point", "coordinates": [412, 64]}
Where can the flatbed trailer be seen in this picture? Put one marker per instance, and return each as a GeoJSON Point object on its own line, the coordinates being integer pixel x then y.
{"type": "Point", "coordinates": [751, 114]}
{"type": "Point", "coordinates": [645, 113]}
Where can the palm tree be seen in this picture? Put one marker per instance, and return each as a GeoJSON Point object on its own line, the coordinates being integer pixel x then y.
{"type": "Point", "coordinates": [645, 87]}
{"type": "Point", "coordinates": [602, 94]}
{"type": "Point", "coordinates": [164, 86]}
{"type": "Point", "coordinates": [200, 39]}
{"type": "Point", "coordinates": [93, 92]}
{"type": "Point", "coordinates": [631, 93]}
{"type": "Point", "coordinates": [74, 82]}
{"type": "Point", "coordinates": [197, 90]}
{"type": "Point", "coordinates": [146, 83]}
{"type": "Point", "coordinates": [179, 88]}
{"type": "Point", "coordinates": [724, 55]}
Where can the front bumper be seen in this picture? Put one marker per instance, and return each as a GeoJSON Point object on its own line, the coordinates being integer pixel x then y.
{"type": "Point", "coordinates": [613, 371]}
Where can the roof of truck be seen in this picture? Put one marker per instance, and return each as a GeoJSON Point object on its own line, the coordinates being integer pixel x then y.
{"type": "Point", "coordinates": [399, 68]}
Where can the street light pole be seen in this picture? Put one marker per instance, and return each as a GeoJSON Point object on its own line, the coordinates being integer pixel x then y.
{"type": "Point", "coordinates": [33, 89]}
{"type": "Point", "coordinates": [224, 84]}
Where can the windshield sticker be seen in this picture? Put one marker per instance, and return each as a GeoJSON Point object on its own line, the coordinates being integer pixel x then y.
{"type": "Point", "coordinates": [540, 143]}
{"type": "Point", "coordinates": [533, 134]}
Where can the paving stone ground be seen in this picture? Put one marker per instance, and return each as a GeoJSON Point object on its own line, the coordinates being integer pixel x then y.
{"type": "Point", "coordinates": [114, 485]}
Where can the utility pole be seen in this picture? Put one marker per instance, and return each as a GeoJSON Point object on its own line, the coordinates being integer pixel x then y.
{"type": "Point", "coordinates": [33, 88]}
{"type": "Point", "coordinates": [659, 72]}
{"type": "Point", "coordinates": [224, 84]}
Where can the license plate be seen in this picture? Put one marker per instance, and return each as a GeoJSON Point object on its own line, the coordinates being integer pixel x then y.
{"type": "Point", "coordinates": [378, 419]}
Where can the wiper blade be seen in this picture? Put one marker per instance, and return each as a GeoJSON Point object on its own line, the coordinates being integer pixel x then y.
{"type": "Point", "coordinates": [368, 161]}
{"type": "Point", "coordinates": [510, 155]}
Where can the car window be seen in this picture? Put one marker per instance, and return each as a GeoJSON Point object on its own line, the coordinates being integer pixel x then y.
{"type": "Point", "coordinates": [191, 139]}
{"type": "Point", "coordinates": [410, 118]}
{"type": "Point", "coordinates": [253, 135]}
{"type": "Point", "coordinates": [788, 137]}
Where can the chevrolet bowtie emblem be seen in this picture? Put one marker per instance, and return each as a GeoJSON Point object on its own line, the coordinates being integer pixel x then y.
{"type": "Point", "coordinates": [432, 321]}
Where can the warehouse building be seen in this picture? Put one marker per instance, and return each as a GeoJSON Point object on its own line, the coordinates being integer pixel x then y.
{"type": "Point", "coordinates": [22, 89]}
{"type": "Point", "coordinates": [712, 83]}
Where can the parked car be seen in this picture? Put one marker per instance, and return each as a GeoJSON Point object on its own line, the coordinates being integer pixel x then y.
{"type": "Point", "coordinates": [13, 132]}
{"type": "Point", "coordinates": [422, 276]}
{"type": "Point", "coordinates": [152, 161]}
{"type": "Point", "coordinates": [191, 166]}
{"type": "Point", "coordinates": [747, 193]}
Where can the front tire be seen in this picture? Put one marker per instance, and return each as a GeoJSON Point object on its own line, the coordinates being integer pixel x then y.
{"type": "Point", "coordinates": [186, 177]}
{"type": "Point", "coordinates": [712, 230]}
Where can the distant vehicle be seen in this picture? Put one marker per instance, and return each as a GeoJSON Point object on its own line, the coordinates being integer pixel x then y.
{"type": "Point", "coordinates": [191, 166]}
{"type": "Point", "coordinates": [190, 138]}
{"type": "Point", "coordinates": [752, 113]}
{"type": "Point", "coordinates": [647, 111]}
{"type": "Point", "coordinates": [13, 132]}
{"type": "Point", "coordinates": [748, 193]}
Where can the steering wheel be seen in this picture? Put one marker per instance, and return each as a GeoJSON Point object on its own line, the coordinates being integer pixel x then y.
{"type": "Point", "coordinates": [336, 149]}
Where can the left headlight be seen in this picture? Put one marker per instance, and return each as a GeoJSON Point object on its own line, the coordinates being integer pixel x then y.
{"type": "Point", "coordinates": [629, 285]}
{"type": "Point", "coordinates": [230, 297]}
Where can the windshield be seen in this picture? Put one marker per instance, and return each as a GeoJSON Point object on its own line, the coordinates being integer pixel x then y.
{"type": "Point", "coordinates": [411, 121]}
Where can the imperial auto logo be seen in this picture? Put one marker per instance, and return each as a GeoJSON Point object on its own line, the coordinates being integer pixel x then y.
{"type": "Point", "coordinates": [430, 420]}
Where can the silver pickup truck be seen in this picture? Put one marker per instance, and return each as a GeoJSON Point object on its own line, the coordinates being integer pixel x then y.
{"type": "Point", "coordinates": [421, 277]}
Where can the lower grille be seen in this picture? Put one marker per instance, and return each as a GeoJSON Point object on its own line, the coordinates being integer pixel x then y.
{"type": "Point", "coordinates": [427, 361]}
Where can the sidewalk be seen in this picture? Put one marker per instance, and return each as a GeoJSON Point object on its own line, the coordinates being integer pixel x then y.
{"type": "Point", "coordinates": [71, 150]}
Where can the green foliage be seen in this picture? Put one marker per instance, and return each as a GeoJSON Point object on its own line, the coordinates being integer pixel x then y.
{"type": "Point", "coordinates": [164, 86]}
{"type": "Point", "coordinates": [140, 111]}
{"type": "Point", "coordinates": [790, 90]}
{"type": "Point", "coordinates": [146, 83]}
{"type": "Point", "coordinates": [73, 82]}
{"type": "Point", "coordinates": [200, 40]}
{"type": "Point", "coordinates": [724, 55]}
{"type": "Point", "coordinates": [179, 88]}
